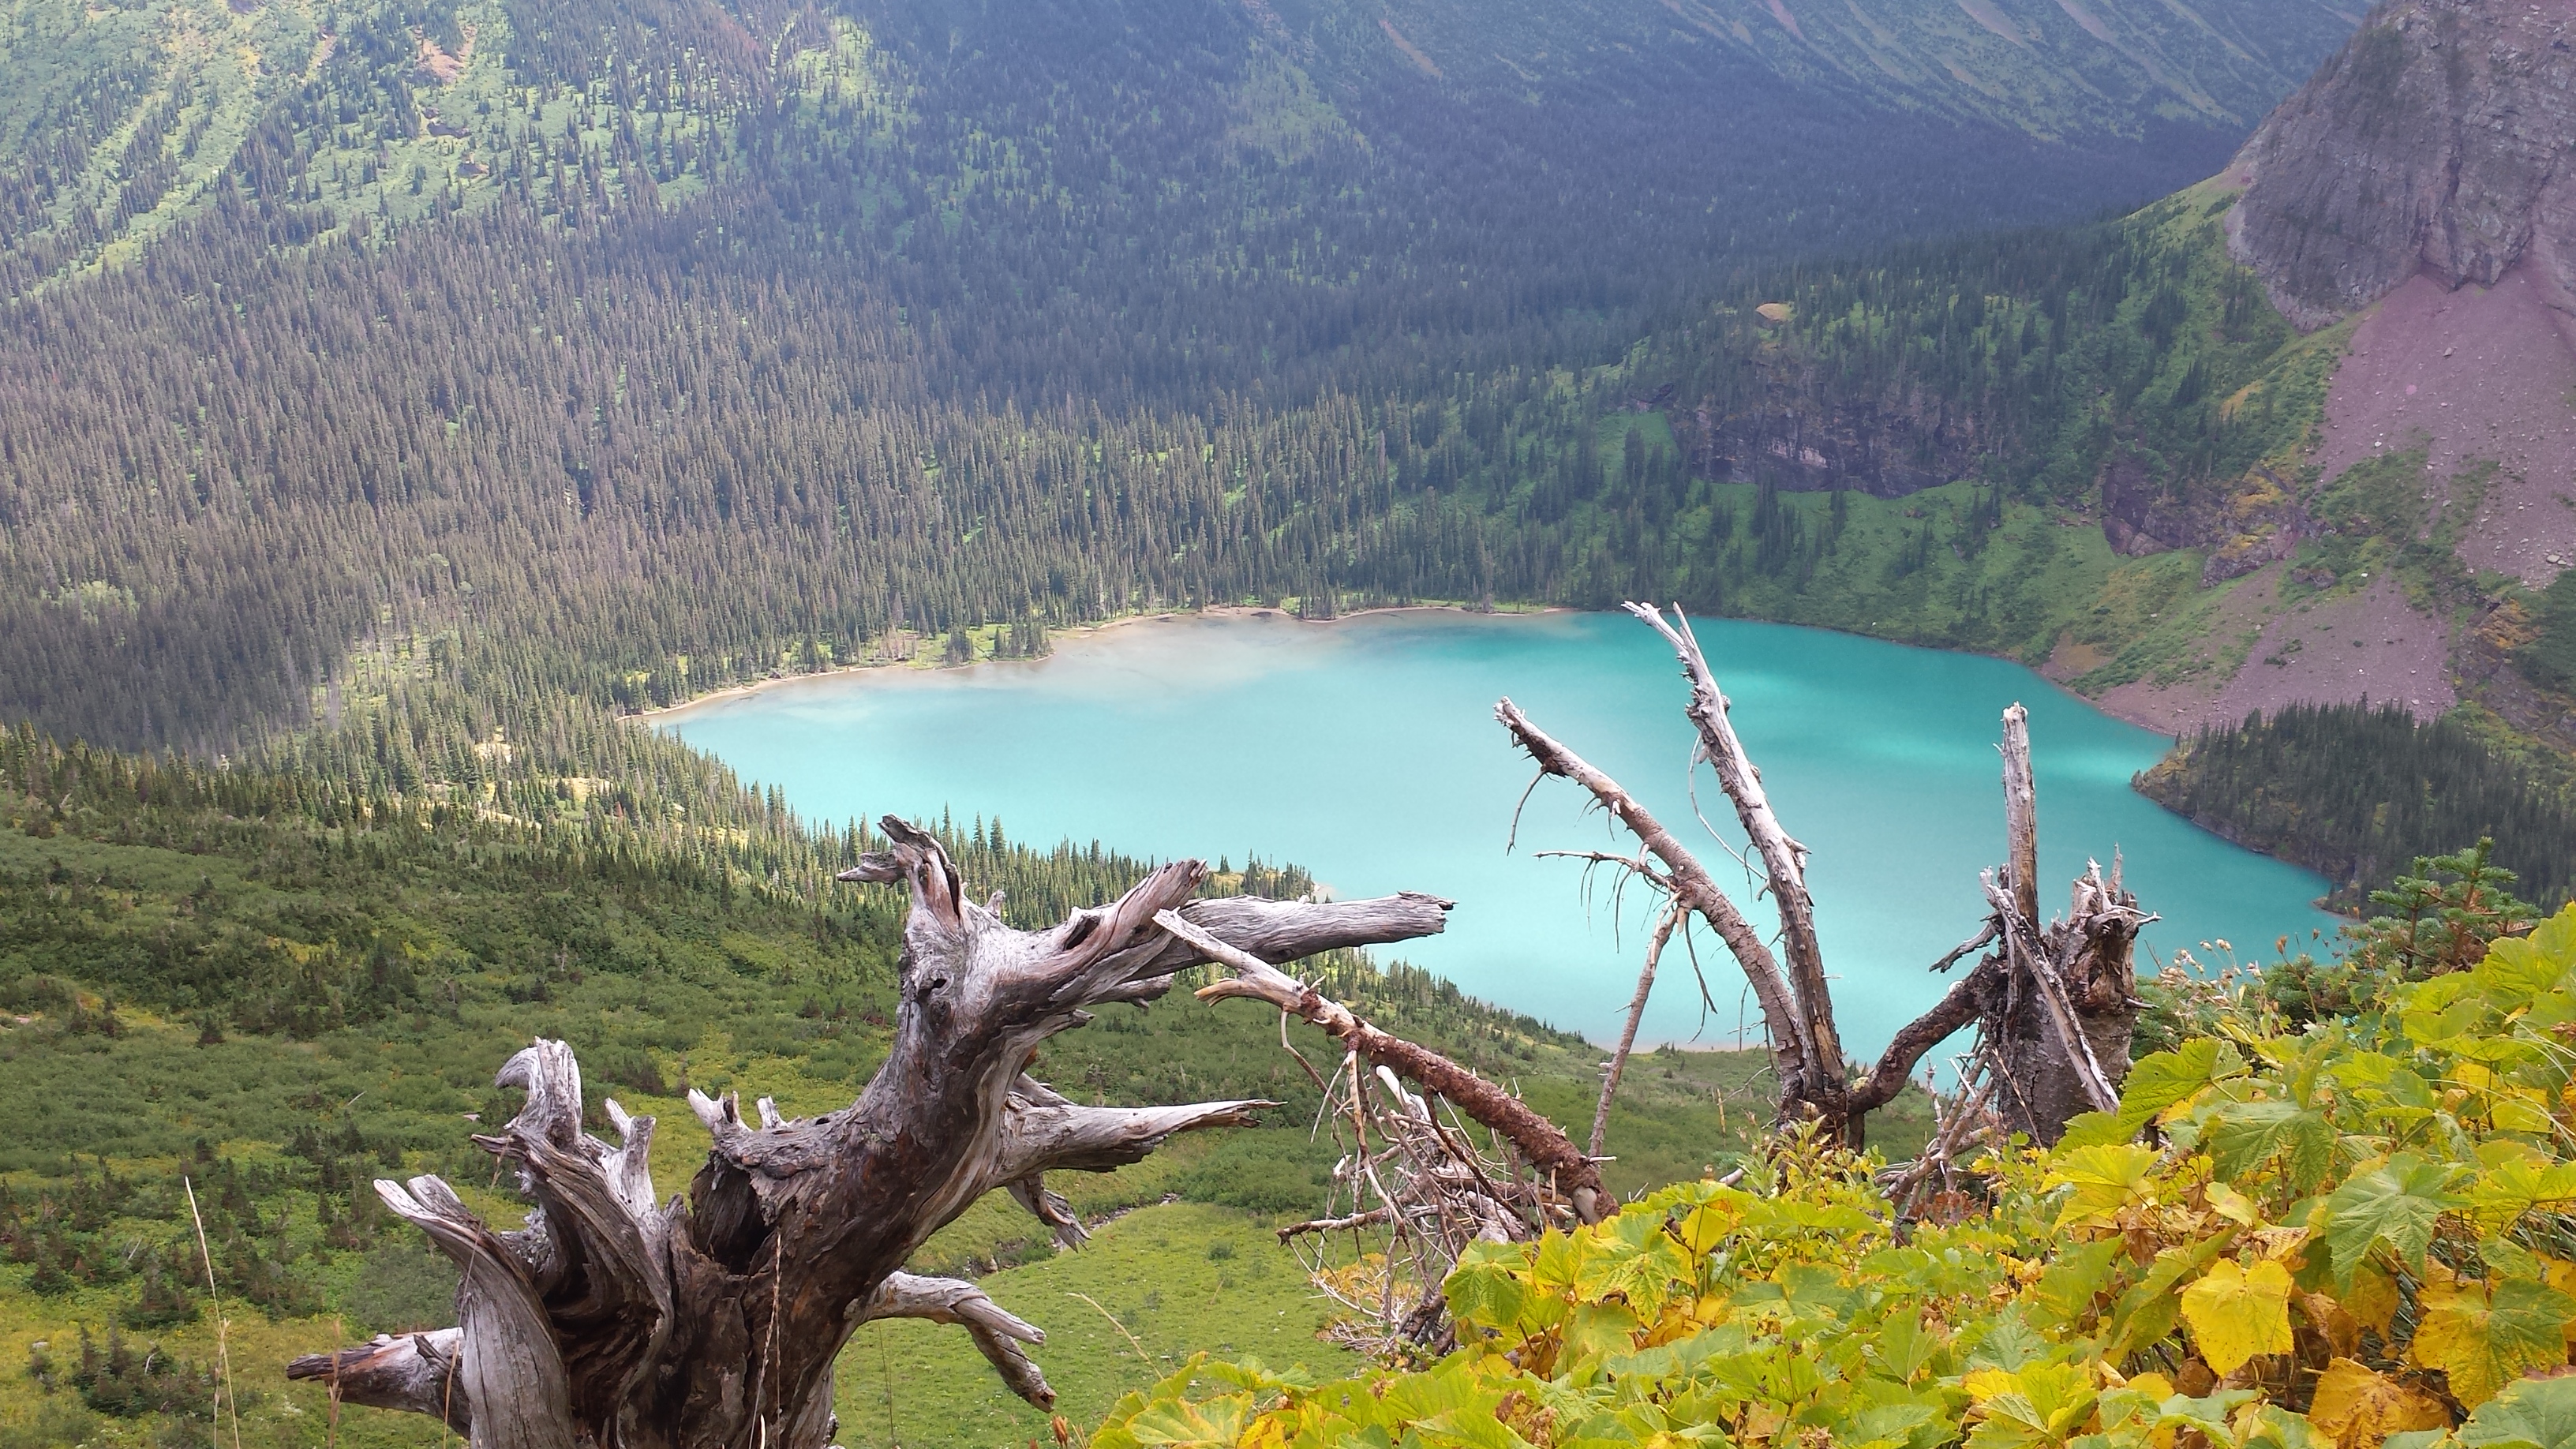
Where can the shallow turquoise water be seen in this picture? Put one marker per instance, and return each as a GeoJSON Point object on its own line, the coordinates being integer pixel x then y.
{"type": "Point", "coordinates": [1367, 751]}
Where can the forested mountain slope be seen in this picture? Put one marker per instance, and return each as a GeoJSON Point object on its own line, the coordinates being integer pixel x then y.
{"type": "Point", "coordinates": [2318, 409]}
{"type": "Point", "coordinates": [349, 328]}
{"type": "Point", "coordinates": [1379, 125]}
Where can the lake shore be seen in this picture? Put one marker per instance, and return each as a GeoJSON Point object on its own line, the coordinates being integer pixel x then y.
{"type": "Point", "coordinates": [1077, 634]}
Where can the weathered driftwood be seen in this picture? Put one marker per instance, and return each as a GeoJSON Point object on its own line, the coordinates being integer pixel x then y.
{"type": "Point", "coordinates": [711, 1322]}
{"type": "Point", "coordinates": [1784, 861]}
{"type": "Point", "coordinates": [2053, 1003]}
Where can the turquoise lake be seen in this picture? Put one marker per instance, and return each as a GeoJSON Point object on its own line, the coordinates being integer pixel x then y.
{"type": "Point", "coordinates": [1366, 750]}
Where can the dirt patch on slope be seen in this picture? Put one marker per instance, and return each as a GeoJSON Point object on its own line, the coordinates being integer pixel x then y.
{"type": "Point", "coordinates": [2368, 644]}
{"type": "Point", "coordinates": [2175, 707]}
{"type": "Point", "coordinates": [2485, 373]}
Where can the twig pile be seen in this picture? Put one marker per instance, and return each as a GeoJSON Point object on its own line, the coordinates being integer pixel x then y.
{"type": "Point", "coordinates": [1415, 1184]}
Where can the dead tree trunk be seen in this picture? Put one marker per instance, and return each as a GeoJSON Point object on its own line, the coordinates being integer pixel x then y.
{"type": "Point", "coordinates": [2061, 1045]}
{"type": "Point", "coordinates": [2053, 1003]}
{"type": "Point", "coordinates": [712, 1322]}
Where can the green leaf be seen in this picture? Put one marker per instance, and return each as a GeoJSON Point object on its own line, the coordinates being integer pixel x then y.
{"type": "Point", "coordinates": [2009, 1344]}
{"type": "Point", "coordinates": [2104, 1180]}
{"type": "Point", "coordinates": [2518, 971]}
{"type": "Point", "coordinates": [2064, 1294]}
{"type": "Point", "coordinates": [2392, 1206]}
{"type": "Point", "coordinates": [1807, 1291]}
{"type": "Point", "coordinates": [1486, 1295]}
{"type": "Point", "coordinates": [2536, 1412]}
{"type": "Point", "coordinates": [2154, 1083]}
{"type": "Point", "coordinates": [2034, 1405]}
{"type": "Point", "coordinates": [1902, 1349]}
{"type": "Point", "coordinates": [2484, 1340]}
{"type": "Point", "coordinates": [2518, 1185]}
{"type": "Point", "coordinates": [2244, 1136]}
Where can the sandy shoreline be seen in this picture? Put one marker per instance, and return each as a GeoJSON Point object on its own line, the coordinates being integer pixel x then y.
{"type": "Point", "coordinates": [2120, 704]}
{"type": "Point", "coordinates": [1075, 634]}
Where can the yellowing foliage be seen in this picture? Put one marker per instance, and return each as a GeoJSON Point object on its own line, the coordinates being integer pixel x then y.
{"type": "Point", "coordinates": [2235, 1314]}
{"type": "Point", "coordinates": [2360, 1235]}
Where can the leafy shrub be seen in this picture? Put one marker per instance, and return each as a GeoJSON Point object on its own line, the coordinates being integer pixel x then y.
{"type": "Point", "coordinates": [1268, 1172]}
{"type": "Point", "coordinates": [403, 1287]}
{"type": "Point", "coordinates": [2314, 1240]}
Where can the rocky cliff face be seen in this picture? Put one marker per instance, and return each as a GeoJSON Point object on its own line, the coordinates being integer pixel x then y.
{"type": "Point", "coordinates": [2438, 140]}
{"type": "Point", "coordinates": [1887, 447]}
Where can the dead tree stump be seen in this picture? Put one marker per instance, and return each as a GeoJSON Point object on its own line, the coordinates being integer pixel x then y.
{"type": "Point", "coordinates": [613, 1321]}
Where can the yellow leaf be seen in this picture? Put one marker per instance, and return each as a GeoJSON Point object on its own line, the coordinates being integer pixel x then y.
{"type": "Point", "coordinates": [2235, 1314]}
{"type": "Point", "coordinates": [1984, 1384]}
{"type": "Point", "coordinates": [2105, 1180]}
{"type": "Point", "coordinates": [2332, 1321]}
{"type": "Point", "coordinates": [2361, 1408]}
{"type": "Point", "coordinates": [2232, 1205]}
{"type": "Point", "coordinates": [2372, 1299]}
{"type": "Point", "coordinates": [2484, 1340]}
{"type": "Point", "coordinates": [1707, 1226]}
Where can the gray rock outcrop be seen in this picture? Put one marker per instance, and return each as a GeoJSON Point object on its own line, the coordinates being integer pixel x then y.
{"type": "Point", "coordinates": [2442, 139]}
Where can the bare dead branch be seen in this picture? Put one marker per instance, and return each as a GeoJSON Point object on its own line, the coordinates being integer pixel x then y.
{"type": "Point", "coordinates": [1985, 937]}
{"type": "Point", "coordinates": [1541, 1141]}
{"type": "Point", "coordinates": [414, 1372]}
{"type": "Point", "coordinates": [1618, 1064]}
{"type": "Point", "coordinates": [1368, 1219]}
{"type": "Point", "coordinates": [997, 1332]}
{"type": "Point", "coordinates": [1784, 861]}
{"type": "Point", "coordinates": [2021, 818]}
{"type": "Point", "coordinates": [1969, 998]}
{"type": "Point", "coordinates": [1693, 886]}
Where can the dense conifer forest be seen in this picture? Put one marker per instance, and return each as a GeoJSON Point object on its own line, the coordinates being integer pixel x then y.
{"type": "Point", "coordinates": [536, 460]}
{"type": "Point", "coordinates": [511, 332]}
{"type": "Point", "coordinates": [2354, 791]}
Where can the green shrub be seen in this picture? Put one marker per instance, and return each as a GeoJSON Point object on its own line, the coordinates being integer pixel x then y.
{"type": "Point", "coordinates": [1268, 1172]}
{"type": "Point", "coordinates": [404, 1286]}
{"type": "Point", "coordinates": [2360, 1233]}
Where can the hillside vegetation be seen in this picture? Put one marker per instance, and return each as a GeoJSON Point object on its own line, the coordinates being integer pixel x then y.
{"type": "Point", "coordinates": [2352, 791]}
{"type": "Point", "coordinates": [551, 489]}
{"type": "Point", "coordinates": [340, 335]}
{"type": "Point", "coordinates": [275, 987]}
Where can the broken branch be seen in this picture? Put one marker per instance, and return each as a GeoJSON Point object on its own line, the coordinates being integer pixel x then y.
{"type": "Point", "coordinates": [1539, 1140]}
